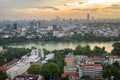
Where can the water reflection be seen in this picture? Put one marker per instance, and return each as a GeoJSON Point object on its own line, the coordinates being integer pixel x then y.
{"type": "Point", "coordinates": [62, 45]}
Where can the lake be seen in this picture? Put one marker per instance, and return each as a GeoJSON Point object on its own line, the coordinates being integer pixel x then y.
{"type": "Point", "coordinates": [62, 45]}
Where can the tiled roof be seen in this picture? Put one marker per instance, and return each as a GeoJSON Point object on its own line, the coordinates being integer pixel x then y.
{"type": "Point", "coordinates": [34, 77]}
{"type": "Point", "coordinates": [70, 59]}
{"type": "Point", "coordinates": [11, 62]}
{"type": "Point", "coordinates": [97, 58]}
{"type": "Point", "coordinates": [69, 74]}
{"type": "Point", "coordinates": [93, 59]}
{"type": "Point", "coordinates": [3, 68]}
{"type": "Point", "coordinates": [92, 65]}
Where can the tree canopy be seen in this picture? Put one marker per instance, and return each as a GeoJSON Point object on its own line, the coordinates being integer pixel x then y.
{"type": "Point", "coordinates": [116, 49]}
{"type": "Point", "coordinates": [112, 71]}
{"type": "Point", "coordinates": [34, 69]}
{"type": "Point", "coordinates": [49, 70]}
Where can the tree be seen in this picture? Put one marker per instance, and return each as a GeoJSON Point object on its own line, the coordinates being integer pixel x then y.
{"type": "Point", "coordinates": [12, 53]}
{"type": "Point", "coordinates": [78, 50]}
{"type": "Point", "coordinates": [49, 69]}
{"type": "Point", "coordinates": [50, 33]}
{"type": "Point", "coordinates": [87, 50]}
{"type": "Point", "coordinates": [66, 51]}
{"type": "Point", "coordinates": [116, 64]}
{"type": "Point", "coordinates": [34, 69]}
{"type": "Point", "coordinates": [86, 77]}
{"type": "Point", "coordinates": [116, 49]}
{"type": "Point", "coordinates": [112, 71]}
{"type": "Point", "coordinates": [3, 76]}
{"type": "Point", "coordinates": [99, 51]}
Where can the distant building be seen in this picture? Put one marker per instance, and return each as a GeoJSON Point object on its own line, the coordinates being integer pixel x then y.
{"type": "Point", "coordinates": [50, 28]}
{"type": "Point", "coordinates": [1, 48]}
{"type": "Point", "coordinates": [88, 17]}
{"type": "Point", "coordinates": [93, 18]}
{"type": "Point", "coordinates": [8, 27]}
{"type": "Point", "coordinates": [15, 26]}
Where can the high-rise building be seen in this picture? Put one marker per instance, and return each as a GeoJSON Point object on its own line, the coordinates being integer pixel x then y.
{"type": "Point", "coordinates": [88, 17]}
{"type": "Point", "coordinates": [93, 18]}
{"type": "Point", "coordinates": [15, 26]}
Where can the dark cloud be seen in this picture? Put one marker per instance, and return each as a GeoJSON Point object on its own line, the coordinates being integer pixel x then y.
{"type": "Point", "coordinates": [81, 2]}
{"type": "Point", "coordinates": [65, 5]}
{"type": "Point", "coordinates": [48, 7]}
{"type": "Point", "coordinates": [91, 10]}
{"type": "Point", "coordinates": [113, 6]}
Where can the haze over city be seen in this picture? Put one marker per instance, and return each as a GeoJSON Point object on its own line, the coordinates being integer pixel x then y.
{"type": "Point", "coordinates": [49, 9]}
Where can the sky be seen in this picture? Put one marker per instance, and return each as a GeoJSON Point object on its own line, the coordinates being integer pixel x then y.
{"type": "Point", "coordinates": [49, 9]}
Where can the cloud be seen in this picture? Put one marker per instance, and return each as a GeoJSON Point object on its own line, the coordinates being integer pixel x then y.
{"type": "Point", "coordinates": [48, 7]}
{"type": "Point", "coordinates": [75, 9]}
{"type": "Point", "coordinates": [65, 5]}
{"type": "Point", "coordinates": [87, 9]}
{"type": "Point", "coordinates": [81, 2]}
{"type": "Point", "coordinates": [113, 6]}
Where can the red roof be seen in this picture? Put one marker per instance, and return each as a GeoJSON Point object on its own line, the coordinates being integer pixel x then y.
{"type": "Point", "coordinates": [69, 74]}
{"type": "Point", "coordinates": [92, 65]}
{"type": "Point", "coordinates": [69, 59]}
{"type": "Point", "coordinates": [32, 77]}
{"type": "Point", "coordinates": [11, 62]}
{"type": "Point", "coordinates": [93, 59]}
{"type": "Point", "coordinates": [3, 68]}
{"type": "Point", "coordinates": [97, 58]}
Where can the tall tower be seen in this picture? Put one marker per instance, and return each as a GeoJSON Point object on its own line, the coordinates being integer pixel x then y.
{"type": "Point", "coordinates": [88, 17]}
{"type": "Point", "coordinates": [15, 26]}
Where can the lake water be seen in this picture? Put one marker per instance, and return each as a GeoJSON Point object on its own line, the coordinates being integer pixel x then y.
{"type": "Point", "coordinates": [62, 45]}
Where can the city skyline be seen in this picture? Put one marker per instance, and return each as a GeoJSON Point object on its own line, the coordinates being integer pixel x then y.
{"type": "Point", "coordinates": [49, 9]}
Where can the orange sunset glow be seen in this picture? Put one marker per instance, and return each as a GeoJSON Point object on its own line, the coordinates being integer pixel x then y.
{"type": "Point", "coordinates": [49, 9]}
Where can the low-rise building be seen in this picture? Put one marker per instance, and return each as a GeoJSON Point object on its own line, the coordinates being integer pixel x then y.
{"type": "Point", "coordinates": [23, 64]}
{"type": "Point", "coordinates": [1, 48]}
{"type": "Point", "coordinates": [28, 77]}
{"type": "Point", "coordinates": [71, 67]}
{"type": "Point", "coordinates": [92, 70]}
{"type": "Point", "coordinates": [11, 63]}
{"type": "Point", "coordinates": [113, 59]}
{"type": "Point", "coordinates": [3, 69]}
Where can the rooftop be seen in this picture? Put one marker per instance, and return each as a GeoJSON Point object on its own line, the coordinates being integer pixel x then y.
{"type": "Point", "coordinates": [70, 74]}
{"type": "Point", "coordinates": [32, 77]}
{"type": "Point", "coordinates": [3, 68]}
{"type": "Point", "coordinates": [92, 65]}
{"type": "Point", "coordinates": [70, 59]}
{"type": "Point", "coordinates": [11, 62]}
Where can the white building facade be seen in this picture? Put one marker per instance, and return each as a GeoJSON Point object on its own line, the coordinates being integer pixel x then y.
{"type": "Point", "coordinates": [23, 64]}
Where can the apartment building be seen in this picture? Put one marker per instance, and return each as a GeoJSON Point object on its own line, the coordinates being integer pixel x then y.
{"type": "Point", "coordinates": [92, 70]}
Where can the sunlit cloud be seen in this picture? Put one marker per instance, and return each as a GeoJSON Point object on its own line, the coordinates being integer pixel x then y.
{"type": "Point", "coordinates": [48, 9]}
